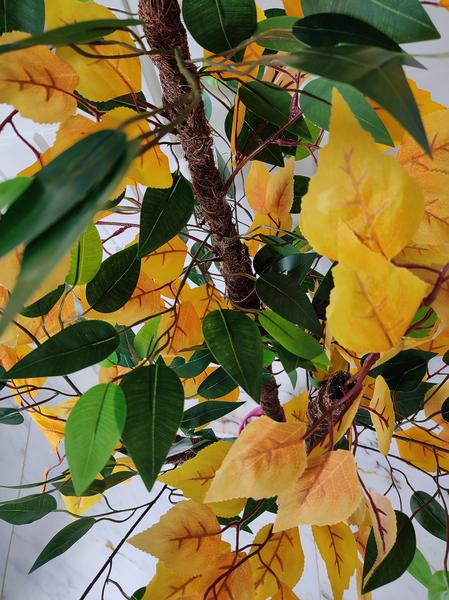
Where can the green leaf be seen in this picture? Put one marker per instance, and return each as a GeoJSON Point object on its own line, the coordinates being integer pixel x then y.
{"type": "Point", "coordinates": [115, 282]}
{"type": "Point", "coordinates": [93, 428]}
{"type": "Point", "coordinates": [375, 72]}
{"type": "Point", "coordinates": [155, 399]}
{"type": "Point", "coordinates": [397, 560]}
{"type": "Point", "coordinates": [286, 297]}
{"type": "Point", "coordinates": [439, 586]}
{"type": "Point", "coordinates": [321, 297]}
{"type": "Point", "coordinates": [217, 384]}
{"type": "Point", "coordinates": [408, 403]}
{"type": "Point", "coordinates": [445, 410]}
{"type": "Point", "coordinates": [72, 349]}
{"type": "Point", "coordinates": [27, 509]}
{"type": "Point", "coordinates": [420, 569]}
{"type": "Point", "coordinates": [70, 188]}
{"type": "Point", "coordinates": [235, 341]}
{"type": "Point", "coordinates": [10, 416]}
{"type": "Point", "coordinates": [164, 213]}
{"type": "Point", "coordinates": [199, 361]}
{"type": "Point", "coordinates": [294, 339]}
{"type": "Point", "coordinates": [63, 540]}
{"type": "Point", "coordinates": [278, 34]}
{"type": "Point", "coordinates": [272, 103]}
{"type": "Point", "coordinates": [319, 111]}
{"type": "Point", "coordinates": [86, 257]}
{"type": "Point", "coordinates": [12, 189]}
{"type": "Point", "coordinates": [405, 371]}
{"type": "Point", "coordinates": [76, 33]}
{"type": "Point", "coordinates": [401, 20]}
{"type": "Point", "coordinates": [44, 305]}
{"type": "Point", "coordinates": [145, 342]}
{"type": "Point", "coordinates": [431, 515]}
{"type": "Point", "coordinates": [66, 488]}
{"type": "Point", "coordinates": [126, 354]}
{"type": "Point", "coordinates": [205, 412]}
{"type": "Point", "coordinates": [219, 25]}
{"type": "Point", "coordinates": [22, 15]}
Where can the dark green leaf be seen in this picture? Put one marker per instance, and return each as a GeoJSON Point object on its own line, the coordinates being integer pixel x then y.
{"type": "Point", "coordinates": [115, 282]}
{"type": "Point", "coordinates": [12, 189]}
{"type": "Point", "coordinates": [405, 371]}
{"type": "Point", "coordinates": [72, 349]}
{"type": "Point", "coordinates": [286, 297]}
{"type": "Point", "coordinates": [278, 34]}
{"type": "Point", "coordinates": [217, 384]}
{"type": "Point", "coordinates": [294, 339]}
{"type": "Point", "coordinates": [439, 586]}
{"type": "Point", "coordinates": [319, 111]}
{"type": "Point", "coordinates": [272, 103]}
{"type": "Point", "coordinates": [75, 33]}
{"type": "Point", "coordinates": [63, 540]}
{"type": "Point", "coordinates": [431, 515]}
{"type": "Point", "coordinates": [234, 340]}
{"type": "Point", "coordinates": [27, 509]}
{"type": "Point", "coordinates": [22, 15]}
{"type": "Point", "coordinates": [164, 213]}
{"type": "Point", "coordinates": [155, 399]}
{"type": "Point", "coordinates": [66, 488]}
{"type": "Point", "coordinates": [220, 25]}
{"type": "Point", "coordinates": [401, 20]}
{"type": "Point", "coordinates": [118, 478]}
{"type": "Point", "coordinates": [445, 410]}
{"type": "Point", "coordinates": [409, 403]}
{"type": "Point", "coordinates": [86, 257]}
{"type": "Point", "coordinates": [44, 305]}
{"type": "Point", "coordinates": [72, 188]}
{"type": "Point", "coordinates": [126, 354]}
{"type": "Point", "coordinates": [254, 132]}
{"type": "Point", "coordinates": [396, 561]}
{"type": "Point", "coordinates": [205, 412]}
{"type": "Point", "coordinates": [10, 416]}
{"type": "Point", "coordinates": [330, 29]}
{"type": "Point", "coordinates": [321, 297]}
{"type": "Point", "coordinates": [93, 428]}
{"type": "Point", "coordinates": [420, 569]}
{"type": "Point", "coordinates": [375, 72]}
{"type": "Point", "coordinates": [138, 594]}
{"type": "Point", "coordinates": [196, 365]}
{"type": "Point", "coordinates": [301, 187]}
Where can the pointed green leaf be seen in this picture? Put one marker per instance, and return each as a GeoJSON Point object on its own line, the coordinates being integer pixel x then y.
{"type": "Point", "coordinates": [27, 509]}
{"type": "Point", "coordinates": [22, 15]}
{"type": "Point", "coordinates": [217, 384]}
{"type": "Point", "coordinates": [205, 412]}
{"type": "Point", "coordinates": [12, 189]}
{"type": "Point", "coordinates": [431, 515]}
{"type": "Point", "coordinates": [420, 569]}
{"type": "Point", "coordinates": [93, 428]}
{"type": "Point", "coordinates": [145, 342]}
{"type": "Point", "coordinates": [10, 416]}
{"type": "Point", "coordinates": [155, 401]}
{"type": "Point", "coordinates": [44, 305]}
{"type": "Point", "coordinates": [86, 257]}
{"type": "Point", "coordinates": [235, 341]}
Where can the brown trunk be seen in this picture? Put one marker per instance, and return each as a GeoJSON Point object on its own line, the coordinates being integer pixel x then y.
{"type": "Point", "coordinates": [164, 31]}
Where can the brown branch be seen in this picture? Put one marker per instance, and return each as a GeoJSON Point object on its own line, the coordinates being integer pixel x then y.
{"type": "Point", "coordinates": [165, 32]}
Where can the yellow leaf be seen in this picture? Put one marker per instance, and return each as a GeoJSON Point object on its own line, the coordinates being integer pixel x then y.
{"type": "Point", "coordinates": [293, 8]}
{"type": "Point", "coordinates": [180, 331]}
{"type": "Point", "coordinates": [51, 420]}
{"type": "Point", "coordinates": [238, 119]}
{"type": "Point", "coordinates": [256, 185]}
{"type": "Point", "coordinates": [78, 505]}
{"type": "Point", "coordinates": [169, 584]}
{"type": "Point", "coordinates": [338, 549]}
{"type": "Point", "coordinates": [267, 456]}
{"type": "Point", "coordinates": [326, 493]}
{"type": "Point", "coordinates": [280, 560]}
{"type": "Point", "coordinates": [279, 194]}
{"type": "Point", "coordinates": [285, 593]}
{"type": "Point", "coordinates": [384, 222]}
{"type": "Point", "coordinates": [165, 264]}
{"type": "Point", "coordinates": [194, 477]}
{"type": "Point", "coordinates": [265, 225]}
{"type": "Point", "coordinates": [368, 310]}
{"type": "Point", "coordinates": [185, 538]}
{"type": "Point", "coordinates": [100, 78]}
{"type": "Point", "coordinates": [229, 579]}
{"type": "Point", "coordinates": [110, 374]}
{"type": "Point", "coordinates": [423, 449]}
{"type": "Point", "coordinates": [296, 408]}
{"type": "Point", "coordinates": [150, 169]}
{"type": "Point", "coordinates": [204, 298]}
{"type": "Point", "coordinates": [37, 83]}
{"type": "Point", "coordinates": [383, 519]}
{"type": "Point", "coordinates": [223, 68]}
{"type": "Point", "coordinates": [383, 418]}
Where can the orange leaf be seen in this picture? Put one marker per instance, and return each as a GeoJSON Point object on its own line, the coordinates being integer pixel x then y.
{"type": "Point", "coordinates": [383, 418]}
{"type": "Point", "coordinates": [279, 193]}
{"type": "Point", "coordinates": [423, 449]}
{"type": "Point", "coordinates": [165, 264]}
{"type": "Point", "coordinates": [181, 331]}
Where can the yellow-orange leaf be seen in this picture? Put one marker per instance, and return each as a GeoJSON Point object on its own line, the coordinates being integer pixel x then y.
{"type": "Point", "coordinates": [279, 194]}
{"type": "Point", "coordinates": [185, 538]}
{"type": "Point", "coordinates": [256, 186]}
{"type": "Point", "coordinates": [228, 579]}
{"type": "Point", "coordinates": [194, 477]}
{"type": "Point", "coordinates": [326, 493]}
{"type": "Point", "coordinates": [368, 310]}
{"type": "Point", "coordinates": [170, 584]}
{"type": "Point", "coordinates": [293, 8]}
{"type": "Point", "coordinates": [266, 225]}
{"type": "Point", "coordinates": [296, 408]}
{"type": "Point", "coordinates": [384, 222]}
{"type": "Point", "coordinates": [382, 414]}
{"type": "Point", "coordinates": [281, 559]}
{"type": "Point", "coordinates": [181, 331]}
{"type": "Point", "coordinates": [37, 83]}
{"type": "Point", "coordinates": [267, 456]}
{"type": "Point", "coordinates": [433, 403]}
{"type": "Point", "coordinates": [100, 78]}
{"type": "Point", "coordinates": [52, 419]}
{"type": "Point", "coordinates": [165, 264]}
{"type": "Point", "coordinates": [204, 298]}
{"type": "Point", "coordinates": [338, 549]}
{"type": "Point", "coordinates": [285, 593]}
{"type": "Point", "coordinates": [424, 449]}
{"type": "Point", "coordinates": [383, 519]}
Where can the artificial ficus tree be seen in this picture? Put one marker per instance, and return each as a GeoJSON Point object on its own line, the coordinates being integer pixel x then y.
{"type": "Point", "coordinates": [200, 280]}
